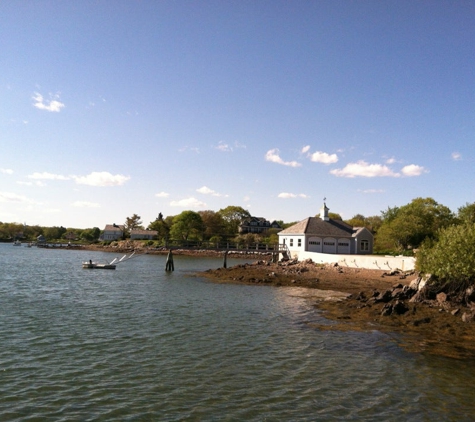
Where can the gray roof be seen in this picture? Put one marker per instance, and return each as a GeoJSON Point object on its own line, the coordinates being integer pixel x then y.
{"type": "Point", "coordinates": [318, 227]}
{"type": "Point", "coordinates": [113, 228]}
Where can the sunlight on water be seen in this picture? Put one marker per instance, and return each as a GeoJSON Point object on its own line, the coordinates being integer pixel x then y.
{"type": "Point", "coordinates": [141, 344]}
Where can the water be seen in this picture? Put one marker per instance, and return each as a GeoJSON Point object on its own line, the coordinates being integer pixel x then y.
{"type": "Point", "coordinates": [139, 344]}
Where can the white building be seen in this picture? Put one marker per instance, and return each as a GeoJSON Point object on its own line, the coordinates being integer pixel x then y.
{"type": "Point", "coordinates": [325, 235]}
{"type": "Point", "coordinates": [112, 232]}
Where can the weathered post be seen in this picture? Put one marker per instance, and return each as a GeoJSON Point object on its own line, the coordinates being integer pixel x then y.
{"type": "Point", "coordinates": [225, 263]}
{"type": "Point", "coordinates": [169, 266]}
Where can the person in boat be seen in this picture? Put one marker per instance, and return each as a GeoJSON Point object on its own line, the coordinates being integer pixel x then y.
{"type": "Point", "coordinates": [90, 261]}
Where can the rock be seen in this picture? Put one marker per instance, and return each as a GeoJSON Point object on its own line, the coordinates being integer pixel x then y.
{"type": "Point", "coordinates": [384, 297]}
{"type": "Point", "coordinates": [418, 322]}
{"type": "Point", "coordinates": [470, 294]}
{"type": "Point", "coordinates": [424, 280]}
{"type": "Point", "coordinates": [467, 316]}
{"type": "Point", "coordinates": [397, 292]}
{"type": "Point", "coordinates": [387, 310]}
{"type": "Point", "coordinates": [441, 297]}
{"type": "Point", "coordinates": [400, 307]}
{"type": "Point", "coordinates": [414, 284]}
{"type": "Point", "coordinates": [361, 296]}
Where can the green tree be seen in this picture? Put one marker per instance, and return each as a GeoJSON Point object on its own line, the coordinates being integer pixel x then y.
{"type": "Point", "coordinates": [187, 226]}
{"type": "Point", "coordinates": [233, 216]}
{"type": "Point", "coordinates": [54, 233]}
{"type": "Point", "coordinates": [213, 224]}
{"type": "Point", "coordinates": [162, 228]}
{"type": "Point", "coordinates": [90, 235]}
{"type": "Point", "coordinates": [466, 213]}
{"type": "Point", "coordinates": [133, 223]}
{"type": "Point", "coordinates": [408, 226]}
{"type": "Point", "coordinates": [452, 257]}
{"type": "Point", "coordinates": [333, 216]}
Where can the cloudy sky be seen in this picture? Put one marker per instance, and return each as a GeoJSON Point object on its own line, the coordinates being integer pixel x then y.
{"type": "Point", "coordinates": [113, 108]}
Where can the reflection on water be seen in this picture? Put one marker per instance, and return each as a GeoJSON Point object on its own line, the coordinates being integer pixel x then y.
{"type": "Point", "coordinates": [141, 344]}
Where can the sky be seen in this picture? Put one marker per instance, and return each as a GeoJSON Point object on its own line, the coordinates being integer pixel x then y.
{"type": "Point", "coordinates": [109, 109]}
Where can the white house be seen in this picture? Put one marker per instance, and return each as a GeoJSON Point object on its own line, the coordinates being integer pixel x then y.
{"type": "Point", "coordinates": [325, 235]}
{"type": "Point", "coordinates": [112, 232]}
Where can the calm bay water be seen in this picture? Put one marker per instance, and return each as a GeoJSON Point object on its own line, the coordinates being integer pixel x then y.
{"type": "Point", "coordinates": [139, 344]}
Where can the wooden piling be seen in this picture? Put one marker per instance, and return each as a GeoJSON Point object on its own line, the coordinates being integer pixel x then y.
{"type": "Point", "coordinates": [169, 266]}
{"type": "Point", "coordinates": [225, 262]}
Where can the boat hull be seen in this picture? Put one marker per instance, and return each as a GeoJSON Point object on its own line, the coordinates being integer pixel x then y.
{"type": "Point", "coordinates": [95, 266]}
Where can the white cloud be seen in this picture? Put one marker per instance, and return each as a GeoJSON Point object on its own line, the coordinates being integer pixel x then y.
{"type": "Point", "coordinates": [6, 171]}
{"type": "Point", "coordinates": [286, 195]}
{"type": "Point", "coordinates": [305, 149]}
{"type": "Point", "coordinates": [162, 195]}
{"type": "Point", "coordinates": [188, 203]}
{"type": "Point", "coordinates": [224, 147]}
{"type": "Point", "coordinates": [47, 176]}
{"type": "Point", "coordinates": [363, 169]}
{"type": "Point", "coordinates": [372, 191]}
{"type": "Point", "coordinates": [53, 104]}
{"type": "Point", "coordinates": [323, 157]}
{"type": "Point", "coordinates": [456, 156]}
{"type": "Point", "coordinates": [11, 197]}
{"type": "Point", "coordinates": [207, 191]}
{"type": "Point", "coordinates": [273, 156]}
{"type": "Point", "coordinates": [391, 160]}
{"type": "Point", "coordinates": [413, 170]}
{"type": "Point", "coordinates": [85, 204]}
{"type": "Point", "coordinates": [102, 178]}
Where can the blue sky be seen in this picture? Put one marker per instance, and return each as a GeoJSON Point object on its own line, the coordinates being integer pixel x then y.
{"type": "Point", "coordinates": [113, 108]}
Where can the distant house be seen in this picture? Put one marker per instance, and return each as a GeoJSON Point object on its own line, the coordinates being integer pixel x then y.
{"type": "Point", "coordinates": [325, 235]}
{"type": "Point", "coordinates": [143, 234]}
{"type": "Point", "coordinates": [257, 225]}
{"type": "Point", "coordinates": [41, 239]}
{"type": "Point", "coordinates": [112, 232]}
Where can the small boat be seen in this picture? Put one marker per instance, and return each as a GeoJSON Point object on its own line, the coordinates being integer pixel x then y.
{"type": "Point", "coordinates": [110, 265]}
{"type": "Point", "coordinates": [95, 265]}
{"type": "Point", "coordinates": [17, 243]}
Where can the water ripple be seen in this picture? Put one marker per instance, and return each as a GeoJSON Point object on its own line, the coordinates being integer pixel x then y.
{"type": "Point", "coordinates": [138, 344]}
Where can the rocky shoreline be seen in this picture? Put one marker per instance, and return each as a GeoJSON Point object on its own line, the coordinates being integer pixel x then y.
{"type": "Point", "coordinates": [394, 302]}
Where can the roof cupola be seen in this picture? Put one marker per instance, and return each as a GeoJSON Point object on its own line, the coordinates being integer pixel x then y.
{"type": "Point", "coordinates": [324, 212]}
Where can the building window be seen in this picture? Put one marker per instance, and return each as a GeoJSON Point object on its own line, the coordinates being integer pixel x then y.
{"type": "Point", "coordinates": [291, 242]}
{"type": "Point", "coordinates": [364, 245]}
{"type": "Point", "coordinates": [329, 243]}
{"type": "Point", "coordinates": [313, 242]}
{"type": "Point", "coordinates": [299, 243]}
{"type": "Point", "coordinates": [343, 244]}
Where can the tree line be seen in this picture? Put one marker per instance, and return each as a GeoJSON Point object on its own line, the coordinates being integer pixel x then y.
{"type": "Point", "coordinates": [396, 230]}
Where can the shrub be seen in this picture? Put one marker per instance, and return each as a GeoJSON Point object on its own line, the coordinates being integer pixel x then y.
{"type": "Point", "coordinates": [452, 257]}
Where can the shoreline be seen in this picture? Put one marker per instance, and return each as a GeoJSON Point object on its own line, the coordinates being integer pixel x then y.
{"type": "Point", "coordinates": [367, 300]}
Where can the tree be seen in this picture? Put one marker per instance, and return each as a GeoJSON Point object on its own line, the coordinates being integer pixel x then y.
{"type": "Point", "coordinates": [187, 225]}
{"type": "Point", "coordinates": [162, 229]}
{"type": "Point", "coordinates": [333, 216]}
{"type": "Point", "coordinates": [91, 235]}
{"type": "Point", "coordinates": [408, 226]}
{"type": "Point", "coordinates": [372, 223]}
{"type": "Point", "coordinates": [133, 223]}
{"type": "Point", "coordinates": [466, 213]}
{"type": "Point", "coordinates": [452, 257]}
{"type": "Point", "coordinates": [54, 233]}
{"type": "Point", "coordinates": [213, 224]}
{"type": "Point", "coordinates": [233, 216]}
